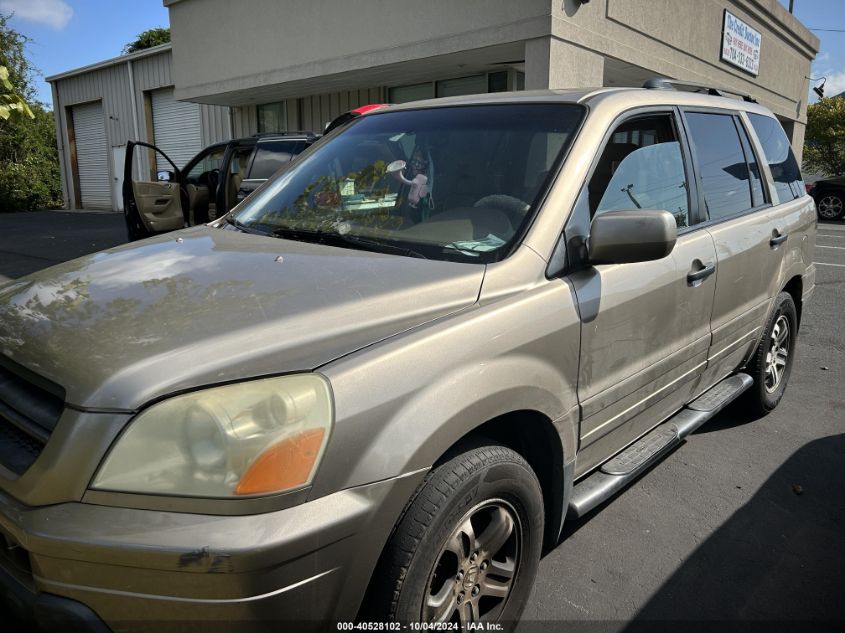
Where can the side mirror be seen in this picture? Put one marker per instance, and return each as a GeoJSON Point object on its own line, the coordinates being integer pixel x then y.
{"type": "Point", "coordinates": [631, 235]}
{"type": "Point", "coordinates": [165, 176]}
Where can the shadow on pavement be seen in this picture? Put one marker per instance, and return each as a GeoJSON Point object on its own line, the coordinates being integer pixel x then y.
{"type": "Point", "coordinates": [780, 558]}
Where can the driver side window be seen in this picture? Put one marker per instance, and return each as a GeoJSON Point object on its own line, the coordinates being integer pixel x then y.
{"type": "Point", "coordinates": [642, 167]}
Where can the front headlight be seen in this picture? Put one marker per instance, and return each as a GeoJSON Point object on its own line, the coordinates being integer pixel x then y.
{"type": "Point", "coordinates": [253, 438]}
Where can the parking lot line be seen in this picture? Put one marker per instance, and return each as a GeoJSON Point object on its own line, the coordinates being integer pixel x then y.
{"type": "Point", "coordinates": [825, 264]}
{"type": "Point", "coordinates": [838, 248]}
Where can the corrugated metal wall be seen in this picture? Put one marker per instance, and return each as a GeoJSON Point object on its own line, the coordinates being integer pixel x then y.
{"type": "Point", "coordinates": [111, 85]}
{"type": "Point", "coordinates": [317, 110]}
{"type": "Point", "coordinates": [309, 113]}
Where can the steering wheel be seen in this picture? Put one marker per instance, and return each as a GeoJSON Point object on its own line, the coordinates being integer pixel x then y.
{"type": "Point", "coordinates": [213, 180]}
{"type": "Point", "coordinates": [511, 206]}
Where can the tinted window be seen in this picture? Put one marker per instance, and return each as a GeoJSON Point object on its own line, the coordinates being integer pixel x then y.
{"type": "Point", "coordinates": [641, 167]}
{"type": "Point", "coordinates": [784, 167]}
{"type": "Point", "coordinates": [757, 197]}
{"type": "Point", "coordinates": [273, 155]}
{"type": "Point", "coordinates": [721, 163]}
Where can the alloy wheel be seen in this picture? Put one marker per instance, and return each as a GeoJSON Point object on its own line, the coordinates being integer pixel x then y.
{"type": "Point", "coordinates": [476, 568]}
{"type": "Point", "coordinates": [778, 353]}
{"type": "Point", "coordinates": [830, 207]}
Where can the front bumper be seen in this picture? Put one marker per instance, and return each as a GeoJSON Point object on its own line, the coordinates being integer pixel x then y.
{"type": "Point", "coordinates": [138, 569]}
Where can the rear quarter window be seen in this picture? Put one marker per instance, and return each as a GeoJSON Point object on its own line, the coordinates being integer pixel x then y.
{"type": "Point", "coordinates": [778, 152]}
{"type": "Point", "coordinates": [272, 155]}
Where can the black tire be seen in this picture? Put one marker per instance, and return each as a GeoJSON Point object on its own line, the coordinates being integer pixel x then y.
{"type": "Point", "coordinates": [766, 392]}
{"type": "Point", "coordinates": [491, 487]}
{"type": "Point", "coordinates": [830, 205]}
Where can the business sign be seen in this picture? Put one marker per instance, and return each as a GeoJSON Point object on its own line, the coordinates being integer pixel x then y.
{"type": "Point", "coordinates": [740, 44]}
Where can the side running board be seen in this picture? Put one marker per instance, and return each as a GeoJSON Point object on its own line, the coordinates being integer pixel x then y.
{"type": "Point", "coordinates": [624, 467]}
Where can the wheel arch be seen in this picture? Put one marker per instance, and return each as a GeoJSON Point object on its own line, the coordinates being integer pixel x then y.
{"type": "Point", "coordinates": [795, 287]}
{"type": "Point", "coordinates": [534, 436]}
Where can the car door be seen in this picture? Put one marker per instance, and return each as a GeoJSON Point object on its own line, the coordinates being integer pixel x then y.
{"type": "Point", "coordinates": [645, 326]}
{"type": "Point", "coordinates": [749, 250]}
{"type": "Point", "coordinates": [269, 157]}
{"type": "Point", "coordinates": [152, 202]}
{"type": "Point", "coordinates": [232, 172]}
{"type": "Point", "coordinates": [200, 180]}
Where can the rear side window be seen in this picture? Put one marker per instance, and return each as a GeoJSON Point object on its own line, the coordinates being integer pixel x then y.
{"type": "Point", "coordinates": [788, 182]}
{"type": "Point", "coordinates": [725, 176]}
{"type": "Point", "coordinates": [272, 155]}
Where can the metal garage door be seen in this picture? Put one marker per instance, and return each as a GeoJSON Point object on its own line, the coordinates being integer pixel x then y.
{"type": "Point", "coordinates": [92, 156]}
{"type": "Point", "coordinates": [176, 128]}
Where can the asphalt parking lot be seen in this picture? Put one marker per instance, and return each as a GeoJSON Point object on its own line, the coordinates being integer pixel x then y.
{"type": "Point", "coordinates": [743, 523]}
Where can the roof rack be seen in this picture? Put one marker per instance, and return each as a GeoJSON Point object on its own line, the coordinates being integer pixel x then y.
{"type": "Point", "coordinates": [286, 133]}
{"type": "Point", "coordinates": [664, 83]}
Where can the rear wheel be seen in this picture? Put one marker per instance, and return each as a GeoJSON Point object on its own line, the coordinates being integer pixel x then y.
{"type": "Point", "coordinates": [468, 546]}
{"type": "Point", "coordinates": [771, 364]}
{"type": "Point", "coordinates": [830, 206]}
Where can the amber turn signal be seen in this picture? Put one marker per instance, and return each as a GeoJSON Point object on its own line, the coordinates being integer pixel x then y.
{"type": "Point", "coordinates": [284, 465]}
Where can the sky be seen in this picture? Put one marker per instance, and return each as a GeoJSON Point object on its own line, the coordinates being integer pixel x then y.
{"type": "Point", "coordinates": [67, 34]}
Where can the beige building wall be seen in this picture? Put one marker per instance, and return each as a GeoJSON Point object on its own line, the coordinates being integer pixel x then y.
{"type": "Point", "coordinates": [277, 50]}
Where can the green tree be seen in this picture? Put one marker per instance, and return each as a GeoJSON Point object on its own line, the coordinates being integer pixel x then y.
{"type": "Point", "coordinates": [148, 39]}
{"type": "Point", "coordinates": [824, 139]}
{"type": "Point", "coordinates": [29, 161]}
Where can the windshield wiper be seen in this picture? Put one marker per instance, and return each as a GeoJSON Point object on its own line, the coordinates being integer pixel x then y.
{"type": "Point", "coordinates": [332, 238]}
{"type": "Point", "coordinates": [243, 227]}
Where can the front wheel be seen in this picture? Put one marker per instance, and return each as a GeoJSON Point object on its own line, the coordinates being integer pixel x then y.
{"type": "Point", "coordinates": [468, 546]}
{"type": "Point", "coordinates": [771, 364]}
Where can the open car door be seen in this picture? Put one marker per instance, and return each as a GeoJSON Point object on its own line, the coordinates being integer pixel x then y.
{"type": "Point", "coordinates": [151, 205]}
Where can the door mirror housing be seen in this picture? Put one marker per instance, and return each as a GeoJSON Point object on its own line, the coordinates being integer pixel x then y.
{"type": "Point", "coordinates": [631, 235]}
{"type": "Point", "coordinates": [165, 176]}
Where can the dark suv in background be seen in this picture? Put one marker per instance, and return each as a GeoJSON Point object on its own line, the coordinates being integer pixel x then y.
{"type": "Point", "coordinates": [212, 182]}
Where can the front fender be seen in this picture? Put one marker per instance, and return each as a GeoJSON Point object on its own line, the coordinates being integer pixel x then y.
{"type": "Point", "coordinates": [402, 403]}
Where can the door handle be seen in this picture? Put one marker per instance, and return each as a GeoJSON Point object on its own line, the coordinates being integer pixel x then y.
{"type": "Point", "coordinates": [695, 277]}
{"type": "Point", "coordinates": [777, 239]}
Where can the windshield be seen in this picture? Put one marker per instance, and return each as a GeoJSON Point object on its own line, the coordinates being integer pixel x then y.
{"type": "Point", "coordinates": [453, 183]}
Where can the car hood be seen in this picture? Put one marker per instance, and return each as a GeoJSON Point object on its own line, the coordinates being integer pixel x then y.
{"type": "Point", "coordinates": [125, 326]}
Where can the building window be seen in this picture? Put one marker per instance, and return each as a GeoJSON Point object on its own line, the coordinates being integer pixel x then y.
{"type": "Point", "coordinates": [272, 117]}
{"type": "Point", "coordinates": [414, 92]}
{"type": "Point", "coordinates": [499, 81]}
{"type": "Point", "coordinates": [476, 84]}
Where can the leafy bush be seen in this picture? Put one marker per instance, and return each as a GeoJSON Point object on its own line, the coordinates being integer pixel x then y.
{"type": "Point", "coordinates": [29, 159]}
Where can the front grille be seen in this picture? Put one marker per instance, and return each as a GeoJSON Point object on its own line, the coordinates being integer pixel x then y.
{"type": "Point", "coordinates": [30, 407]}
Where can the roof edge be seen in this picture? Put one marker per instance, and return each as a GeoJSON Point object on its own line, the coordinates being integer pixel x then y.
{"type": "Point", "coordinates": [114, 61]}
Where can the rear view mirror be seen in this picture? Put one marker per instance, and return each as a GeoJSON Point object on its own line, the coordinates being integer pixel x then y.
{"type": "Point", "coordinates": [165, 176]}
{"type": "Point", "coordinates": [631, 235]}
